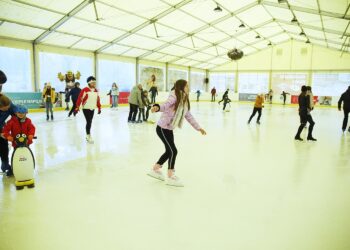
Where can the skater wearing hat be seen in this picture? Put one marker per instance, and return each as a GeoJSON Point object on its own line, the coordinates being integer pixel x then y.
{"type": "Point", "coordinates": [90, 100]}
{"type": "Point", "coordinates": [49, 96]}
{"type": "Point", "coordinates": [19, 124]}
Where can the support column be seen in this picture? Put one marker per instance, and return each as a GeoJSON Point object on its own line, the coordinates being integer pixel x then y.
{"type": "Point", "coordinates": [96, 67]}
{"type": "Point", "coordinates": [137, 70]}
{"type": "Point", "coordinates": [236, 78]}
{"type": "Point", "coordinates": [166, 76]}
{"type": "Point", "coordinates": [35, 82]}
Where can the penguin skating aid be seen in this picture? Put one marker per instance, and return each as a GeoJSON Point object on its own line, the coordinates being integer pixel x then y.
{"type": "Point", "coordinates": [23, 163]}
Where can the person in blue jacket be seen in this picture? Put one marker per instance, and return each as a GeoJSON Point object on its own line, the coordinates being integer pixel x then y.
{"type": "Point", "coordinates": [74, 93]}
{"type": "Point", "coordinates": [7, 108]}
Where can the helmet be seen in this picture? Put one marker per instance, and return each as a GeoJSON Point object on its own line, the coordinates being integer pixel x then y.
{"type": "Point", "coordinates": [21, 109]}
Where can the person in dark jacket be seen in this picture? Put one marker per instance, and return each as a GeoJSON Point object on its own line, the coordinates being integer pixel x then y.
{"type": "Point", "coordinates": [213, 94]}
{"type": "Point", "coordinates": [3, 79]}
{"type": "Point", "coordinates": [66, 98]}
{"type": "Point", "coordinates": [284, 95]}
{"type": "Point", "coordinates": [345, 98]}
{"type": "Point", "coordinates": [304, 113]}
{"type": "Point", "coordinates": [224, 96]}
{"type": "Point", "coordinates": [154, 93]}
{"type": "Point", "coordinates": [74, 94]}
{"type": "Point", "coordinates": [6, 109]}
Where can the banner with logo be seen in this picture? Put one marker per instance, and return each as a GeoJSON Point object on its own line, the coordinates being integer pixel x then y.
{"type": "Point", "coordinates": [247, 97]}
{"type": "Point", "coordinates": [31, 100]}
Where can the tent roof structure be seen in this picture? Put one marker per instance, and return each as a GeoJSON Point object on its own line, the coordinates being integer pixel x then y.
{"type": "Point", "coordinates": [185, 32]}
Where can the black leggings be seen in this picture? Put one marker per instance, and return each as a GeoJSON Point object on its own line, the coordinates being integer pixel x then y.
{"type": "Point", "coordinates": [346, 116]}
{"type": "Point", "coordinates": [73, 108]}
{"type": "Point", "coordinates": [304, 118]}
{"type": "Point", "coordinates": [153, 98]}
{"type": "Point", "coordinates": [147, 112]}
{"type": "Point", "coordinates": [254, 113]}
{"type": "Point", "coordinates": [132, 112]}
{"type": "Point", "coordinates": [167, 137]}
{"type": "Point", "coordinates": [141, 112]}
{"type": "Point", "coordinates": [4, 150]}
{"type": "Point", "coordinates": [89, 114]}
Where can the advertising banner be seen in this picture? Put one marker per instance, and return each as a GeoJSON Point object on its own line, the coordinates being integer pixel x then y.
{"type": "Point", "coordinates": [31, 100]}
{"type": "Point", "coordinates": [247, 97]}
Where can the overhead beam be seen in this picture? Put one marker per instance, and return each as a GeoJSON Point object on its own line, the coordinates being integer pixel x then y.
{"type": "Point", "coordinates": [307, 10]}
{"type": "Point", "coordinates": [64, 19]}
{"type": "Point", "coordinates": [205, 27]}
{"type": "Point", "coordinates": [229, 38]}
{"type": "Point", "coordinates": [307, 26]}
{"type": "Point", "coordinates": [321, 17]}
{"type": "Point", "coordinates": [249, 45]}
{"type": "Point", "coordinates": [143, 25]}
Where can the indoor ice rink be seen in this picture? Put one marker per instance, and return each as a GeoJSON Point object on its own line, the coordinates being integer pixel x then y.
{"type": "Point", "coordinates": [244, 186]}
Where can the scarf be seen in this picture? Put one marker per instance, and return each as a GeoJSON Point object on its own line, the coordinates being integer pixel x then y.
{"type": "Point", "coordinates": [180, 112]}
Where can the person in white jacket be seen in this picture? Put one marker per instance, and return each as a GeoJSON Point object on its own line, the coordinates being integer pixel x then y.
{"type": "Point", "coordinates": [90, 100]}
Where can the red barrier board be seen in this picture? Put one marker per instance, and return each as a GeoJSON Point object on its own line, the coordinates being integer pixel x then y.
{"type": "Point", "coordinates": [295, 100]}
{"type": "Point", "coordinates": [123, 98]}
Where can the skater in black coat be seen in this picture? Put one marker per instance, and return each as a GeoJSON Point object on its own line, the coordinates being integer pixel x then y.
{"type": "Point", "coordinates": [74, 94]}
{"type": "Point", "coordinates": [345, 98]}
{"type": "Point", "coordinates": [224, 96]}
{"type": "Point", "coordinates": [304, 113]}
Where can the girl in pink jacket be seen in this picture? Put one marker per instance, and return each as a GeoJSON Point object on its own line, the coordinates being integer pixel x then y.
{"type": "Point", "coordinates": [175, 110]}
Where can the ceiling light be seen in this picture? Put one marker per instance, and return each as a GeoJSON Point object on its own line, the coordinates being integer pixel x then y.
{"type": "Point", "coordinates": [294, 20]}
{"type": "Point", "coordinates": [242, 25]}
{"type": "Point", "coordinates": [302, 33]}
{"type": "Point", "coordinates": [257, 37]}
{"type": "Point", "coordinates": [308, 41]}
{"type": "Point", "coordinates": [218, 8]}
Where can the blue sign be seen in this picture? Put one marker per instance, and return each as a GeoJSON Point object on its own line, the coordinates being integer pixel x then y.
{"type": "Point", "coordinates": [31, 100]}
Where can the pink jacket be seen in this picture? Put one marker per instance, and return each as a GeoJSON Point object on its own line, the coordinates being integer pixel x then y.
{"type": "Point", "coordinates": [169, 113]}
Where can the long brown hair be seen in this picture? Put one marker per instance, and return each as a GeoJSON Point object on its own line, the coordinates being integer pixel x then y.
{"type": "Point", "coordinates": [4, 101]}
{"type": "Point", "coordinates": [179, 92]}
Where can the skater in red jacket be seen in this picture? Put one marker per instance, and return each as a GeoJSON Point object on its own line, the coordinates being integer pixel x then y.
{"type": "Point", "coordinates": [90, 100]}
{"type": "Point", "coordinates": [19, 124]}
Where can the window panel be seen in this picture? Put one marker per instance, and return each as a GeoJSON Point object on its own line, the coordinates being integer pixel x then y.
{"type": "Point", "coordinates": [222, 81]}
{"type": "Point", "coordinates": [330, 84]}
{"type": "Point", "coordinates": [122, 73]}
{"type": "Point", "coordinates": [51, 64]}
{"type": "Point", "coordinates": [174, 75]}
{"type": "Point", "coordinates": [15, 63]}
{"type": "Point", "coordinates": [253, 83]}
{"type": "Point", "coordinates": [288, 82]}
{"type": "Point", "coordinates": [197, 81]}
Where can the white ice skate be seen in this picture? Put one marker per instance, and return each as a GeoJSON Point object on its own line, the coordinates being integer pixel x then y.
{"type": "Point", "coordinates": [89, 139]}
{"type": "Point", "coordinates": [156, 174]}
{"type": "Point", "coordinates": [174, 181]}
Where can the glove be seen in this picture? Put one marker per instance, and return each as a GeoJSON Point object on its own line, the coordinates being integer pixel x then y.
{"type": "Point", "coordinates": [10, 138]}
{"type": "Point", "coordinates": [99, 111]}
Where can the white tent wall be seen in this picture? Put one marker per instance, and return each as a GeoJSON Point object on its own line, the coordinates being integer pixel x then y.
{"type": "Point", "coordinates": [291, 56]}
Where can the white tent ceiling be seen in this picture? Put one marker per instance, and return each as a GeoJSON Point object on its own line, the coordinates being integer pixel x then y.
{"type": "Point", "coordinates": [185, 32]}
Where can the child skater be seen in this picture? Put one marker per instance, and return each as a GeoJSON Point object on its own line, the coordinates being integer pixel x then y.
{"type": "Point", "coordinates": [175, 109]}
{"type": "Point", "coordinates": [90, 100]}
{"type": "Point", "coordinates": [259, 104]}
{"type": "Point", "coordinates": [147, 103]}
{"type": "Point", "coordinates": [19, 124]}
{"type": "Point", "coordinates": [226, 101]}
